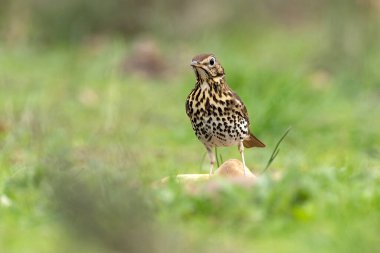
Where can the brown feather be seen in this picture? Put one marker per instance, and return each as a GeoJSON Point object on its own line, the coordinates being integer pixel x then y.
{"type": "Point", "coordinates": [252, 141]}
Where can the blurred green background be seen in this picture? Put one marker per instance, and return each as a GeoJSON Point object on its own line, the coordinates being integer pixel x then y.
{"type": "Point", "coordinates": [92, 113]}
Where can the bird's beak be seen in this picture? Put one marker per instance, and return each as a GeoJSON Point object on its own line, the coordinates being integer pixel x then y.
{"type": "Point", "coordinates": [194, 64]}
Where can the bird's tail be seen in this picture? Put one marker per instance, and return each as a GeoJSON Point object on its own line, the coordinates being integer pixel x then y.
{"type": "Point", "coordinates": [252, 141]}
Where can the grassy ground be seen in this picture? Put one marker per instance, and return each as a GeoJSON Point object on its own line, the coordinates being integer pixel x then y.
{"type": "Point", "coordinates": [81, 143]}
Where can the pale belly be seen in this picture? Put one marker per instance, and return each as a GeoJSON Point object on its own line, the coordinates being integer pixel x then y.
{"type": "Point", "coordinates": [216, 131]}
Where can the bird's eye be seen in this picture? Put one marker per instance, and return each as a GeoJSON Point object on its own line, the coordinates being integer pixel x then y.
{"type": "Point", "coordinates": [212, 61]}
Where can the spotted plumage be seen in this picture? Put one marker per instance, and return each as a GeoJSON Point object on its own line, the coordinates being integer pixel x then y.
{"type": "Point", "coordinates": [217, 114]}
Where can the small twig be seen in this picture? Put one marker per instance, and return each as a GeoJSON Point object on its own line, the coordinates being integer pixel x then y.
{"type": "Point", "coordinates": [276, 149]}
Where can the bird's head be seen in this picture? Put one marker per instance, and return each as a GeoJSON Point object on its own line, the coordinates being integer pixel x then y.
{"type": "Point", "coordinates": [206, 67]}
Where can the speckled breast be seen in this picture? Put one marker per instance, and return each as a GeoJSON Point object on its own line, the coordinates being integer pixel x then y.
{"type": "Point", "coordinates": [214, 119]}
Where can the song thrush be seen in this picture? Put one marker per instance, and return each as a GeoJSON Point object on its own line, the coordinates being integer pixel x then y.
{"type": "Point", "coordinates": [217, 114]}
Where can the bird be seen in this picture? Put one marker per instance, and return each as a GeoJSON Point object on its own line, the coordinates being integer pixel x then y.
{"type": "Point", "coordinates": [218, 116]}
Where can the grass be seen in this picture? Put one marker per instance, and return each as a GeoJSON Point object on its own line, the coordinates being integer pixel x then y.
{"type": "Point", "coordinates": [81, 144]}
{"type": "Point", "coordinates": [276, 150]}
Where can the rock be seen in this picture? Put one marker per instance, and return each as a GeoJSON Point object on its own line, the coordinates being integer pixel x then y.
{"type": "Point", "coordinates": [233, 168]}
{"type": "Point", "coordinates": [188, 178]}
{"type": "Point", "coordinates": [145, 59]}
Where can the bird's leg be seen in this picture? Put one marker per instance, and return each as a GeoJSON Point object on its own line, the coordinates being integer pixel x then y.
{"type": "Point", "coordinates": [212, 159]}
{"type": "Point", "coordinates": [241, 150]}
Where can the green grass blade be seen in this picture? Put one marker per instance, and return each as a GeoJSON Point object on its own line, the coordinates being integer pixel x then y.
{"type": "Point", "coordinates": [276, 150]}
